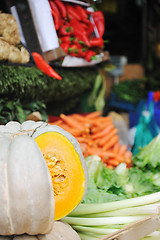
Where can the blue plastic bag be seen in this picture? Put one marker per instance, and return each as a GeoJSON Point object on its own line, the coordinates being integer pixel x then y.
{"type": "Point", "coordinates": [147, 127]}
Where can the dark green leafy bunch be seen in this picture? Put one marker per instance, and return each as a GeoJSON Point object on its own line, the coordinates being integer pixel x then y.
{"type": "Point", "coordinates": [130, 90]}
{"type": "Point", "coordinates": [17, 111]}
{"type": "Point", "coordinates": [30, 84]}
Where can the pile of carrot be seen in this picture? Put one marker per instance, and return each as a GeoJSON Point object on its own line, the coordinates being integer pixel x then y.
{"type": "Point", "coordinates": [96, 135]}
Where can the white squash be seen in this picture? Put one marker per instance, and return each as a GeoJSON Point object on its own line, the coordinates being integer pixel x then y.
{"type": "Point", "coordinates": [26, 191]}
{"type": "Point", "coordinates": [59, 231]}
{"type": "Point", "coordinates": [30, 199]}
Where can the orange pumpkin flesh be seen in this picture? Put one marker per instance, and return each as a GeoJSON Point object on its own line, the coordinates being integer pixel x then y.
{"type": "Point", "coordinates": [66, 170]}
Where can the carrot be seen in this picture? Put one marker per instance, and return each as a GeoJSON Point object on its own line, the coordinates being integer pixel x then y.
{"type": "Point", "coordinates": [122, 149]}
{"type": "Point", "coordinates": [104, 119]}
{"type": "Point", "coordinates": [108, 137]}
{"type": "Point", "coordinates": [103, 132]}
{"type": "Point", "coordinates": [128, 160]}
{"type": "Point", "coordinates": [111, 143]}
{"type": "Point", "coordinates": [112, 155]}
{"type": "Point", "coordinates": [113, 162]}
{"type": "Point", "coordinates": [71, 122]}
{"type": "Point", "coordinates": [81, 139]}
{"type": "Point", "coordinates": [57, 122]}
{"type": "Point", "coordinates": [82, 120]}
{"type": "Point", "coordinates": [103, 154]}
{"type": "Point", "coordinates": [116, 147]}
{"type": "Point", "coordinates": [109, 166]}
{"type": "Point", "coordinates": [94, 114]}
{"type": "Point", "coordinates": [91, 143]}
{"type": "Point", "coordinates": [74, 131]}
{"type": "Point", "coordinates": [84, 149]}
{"type": "Point", "coordinates": [98, 128]}
{"type": "Point", "coordinates": [97, 122]}
{"type": "Point", "coordinates": [128, 154]}
{"type": "Point", "coordinates": [96, 135]}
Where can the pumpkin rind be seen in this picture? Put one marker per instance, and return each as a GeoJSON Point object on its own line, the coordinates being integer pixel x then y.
{"type": "Point", "coordinates": [26, 191]}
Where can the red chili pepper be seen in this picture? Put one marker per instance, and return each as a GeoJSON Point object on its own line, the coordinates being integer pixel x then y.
{"type": "Point", "coordinates": [90, 29]}
{"type": "Point", "coordinates": [82, 52]}
{"type": "Point", "coordinates": [75, 50]}
{"type": "Point", "coordinates": [56, 20]}
{"type": "Point", "coordinates": [82, 12]}
{"type": "Point", "coordinates": [72, 13]}
{"type": "Point", "coordinates": [99, 21]}
{"type": "Point", "coordinates": [65, 30]}
{"type": "Point", "coordinates": [65, 47]}
{"type": "Point", "coordinates": [55, 14]}
{"type": "Point", "coordinates": [89, 55]}
{"type": "Point", "coordinates": [44, 66]}
{"type": "Point", "coordinates": [156, 96]}
{"type": "Point", "coordinates": [61, 8]}
{"type": "Point", "coordinates": [66, 39]}
{"type": "Point", "coordinates": [77, 26]}
{"type": "Point", "coordinates": [98, 15]}
{"type": "Point", "coordinates": [84, 25]}
{"type": "Point", "coordinates": [96, 42]}
{"type": "Point", "coordinates": [54, 7]}
{"type": "Point", "coordinates": [79, 32]}
{"type": "Point", "coordinates": [77, 41]}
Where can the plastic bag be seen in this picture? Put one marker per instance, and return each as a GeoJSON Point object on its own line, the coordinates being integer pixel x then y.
{"type": "Point", "coordinates": [146, 128]}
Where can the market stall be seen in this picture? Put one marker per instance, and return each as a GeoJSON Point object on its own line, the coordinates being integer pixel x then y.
{"type": "Point", "coordinates": [79, 135]}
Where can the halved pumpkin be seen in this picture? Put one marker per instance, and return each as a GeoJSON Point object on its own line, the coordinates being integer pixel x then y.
{"type": "Point", "coordinates": [66, 165]}
{"type": "Point", "coordinates": [65, 162]}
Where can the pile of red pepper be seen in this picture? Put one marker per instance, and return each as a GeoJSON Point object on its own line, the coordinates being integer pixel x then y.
{"type": "Point", "coordinates": [75, 30]}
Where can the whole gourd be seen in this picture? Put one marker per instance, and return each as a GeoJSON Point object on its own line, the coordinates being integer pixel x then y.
{"type": "Point", "coordinates": [32, 192]}
{"type": "Point", "coordinates": [59, 231]}
{"type": "Point", "coordinates": [26, 191]}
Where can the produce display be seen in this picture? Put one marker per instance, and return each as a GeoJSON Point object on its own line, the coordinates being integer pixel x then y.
{"type": "Point", "coordinates": [101, 200]}
{"type": "Point", "coordinates": [118, 197]}
{"type": "Point", "coordinates": [75, 26]}
{"type": "Point", "coordinates": [70, 175]}
{"type": "Point", "coordinates": [28, 84]}
{"type": "Point", "coordinates": [97, 135]}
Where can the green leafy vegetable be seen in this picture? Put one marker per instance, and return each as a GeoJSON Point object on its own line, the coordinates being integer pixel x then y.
{"type": "Point", "coordinates": [30, 84]}
{"type": "Point", "coordinates": [114, 199]}
{"type": "Point", "coordinates": [106, 185]}
{"type": "Point", "coordinates": [149, 156]}
{"type": "Point", "coordinates": [131, 90]}
{"type": "Point", "coordinates": [17, 111]}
